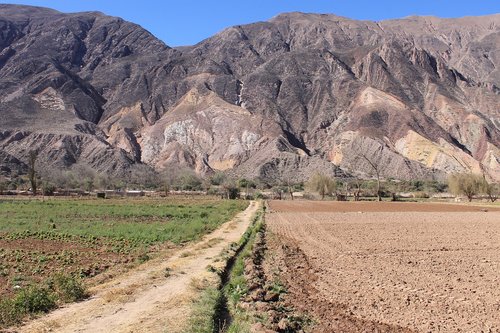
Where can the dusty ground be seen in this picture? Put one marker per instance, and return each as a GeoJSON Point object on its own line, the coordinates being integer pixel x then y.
{"type": "Point", "coordinates": [155, 297]}
{"type": "Point", "coordinates": [389, 267]}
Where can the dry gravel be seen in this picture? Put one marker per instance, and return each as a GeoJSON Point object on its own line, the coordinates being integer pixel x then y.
{"type": "Point", "coordinates": [427, 271]}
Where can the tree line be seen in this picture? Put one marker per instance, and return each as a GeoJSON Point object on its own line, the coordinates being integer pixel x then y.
{"type": "Point", "coordinates": [459, 184]}
{"type": "Point", "coordinates": [46, 181]}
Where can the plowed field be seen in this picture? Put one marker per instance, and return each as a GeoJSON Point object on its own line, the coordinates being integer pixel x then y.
{"type": "Point", "coordinates": [389, 267]}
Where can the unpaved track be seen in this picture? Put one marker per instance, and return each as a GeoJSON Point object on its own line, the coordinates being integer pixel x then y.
{"type": "Point", "coordinates": [144, 299]}
{"type": "Point", "coordinates": [410, 266]}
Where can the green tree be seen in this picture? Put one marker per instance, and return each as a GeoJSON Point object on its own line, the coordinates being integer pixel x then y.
{"type": "Point", "coordinates": [279, 191]}
{"type": "Point", "coordinates": [246, 183]}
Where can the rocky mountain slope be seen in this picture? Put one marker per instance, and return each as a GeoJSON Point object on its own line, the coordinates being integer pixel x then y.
{"type": "Point", "coordinates": [419, 97]}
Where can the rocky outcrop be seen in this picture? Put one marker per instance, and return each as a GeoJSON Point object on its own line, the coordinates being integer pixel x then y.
{"type": "Point", "coordinates": [277, 100]}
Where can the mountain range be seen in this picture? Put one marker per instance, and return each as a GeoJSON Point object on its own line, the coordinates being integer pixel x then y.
{"type": "Point", "coordinates": [417, 97]}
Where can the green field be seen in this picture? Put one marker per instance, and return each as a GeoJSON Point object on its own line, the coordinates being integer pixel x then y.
{"type": "Point", "coordinates": [85, 237]}
{"type": "Point", "coordinates": [135, 221]}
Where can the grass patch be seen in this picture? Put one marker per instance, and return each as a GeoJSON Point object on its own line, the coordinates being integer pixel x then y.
{"type": "Point", "coordinates": [205, 312]}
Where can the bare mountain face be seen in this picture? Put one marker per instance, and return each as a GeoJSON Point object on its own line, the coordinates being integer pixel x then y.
{"type": "Point", "coordinates": [419, 97]}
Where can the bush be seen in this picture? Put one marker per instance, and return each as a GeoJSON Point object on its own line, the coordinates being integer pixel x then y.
{"type": "Point", "coordinates": [231, 191]}
{"type": "Point", "coordinates": [9, 313]}
{"type": "Point", "coordinates": [48, 188]}
{"type": "Point", "coordinates": [213, 191]}
{"type": "Point", "coordinates": [190, 182]}
{"type": "Point", "coordinates": [67, 288]}
{"type": "Point", "coordinates": [34, 299]}
{"type": "Point", "coordinates": [218, 178]}
{"type": "Point", "coordinates": [421, 195]}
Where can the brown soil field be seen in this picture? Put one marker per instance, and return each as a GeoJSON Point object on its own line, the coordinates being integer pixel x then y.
{"type": "Point", "coordinates": [388, 267]}
{"type": "Point", "coordinates": [372, 206]}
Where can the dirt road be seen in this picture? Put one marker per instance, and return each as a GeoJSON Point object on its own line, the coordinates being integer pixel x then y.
{"type": "Point", "coordinates": [389, 267]}
{"type": "Point", "coordinates": [155, 297]}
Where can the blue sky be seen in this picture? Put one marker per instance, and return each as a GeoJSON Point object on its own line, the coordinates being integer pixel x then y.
{"type": "Point", "coordinates": [187, 22]}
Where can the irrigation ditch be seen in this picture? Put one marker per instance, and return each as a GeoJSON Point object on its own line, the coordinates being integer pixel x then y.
{"type": "Point", "coordinates": [232, 280]}
{"type": "Point", "coordinates": [245, 299]}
